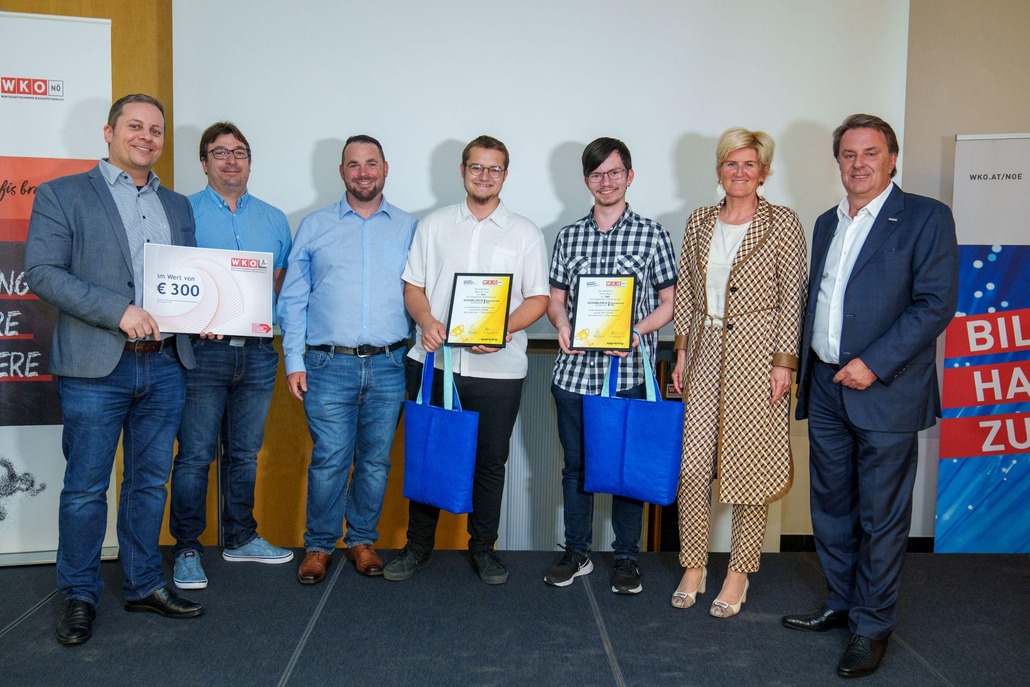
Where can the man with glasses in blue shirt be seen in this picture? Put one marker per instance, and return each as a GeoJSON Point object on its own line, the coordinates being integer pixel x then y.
{"type": "Point", "coordinates": [611, 239]}
{"type": "Point", "coordinates": [345, 334]}
{"type": "Point", "coordinates": [228, 393]}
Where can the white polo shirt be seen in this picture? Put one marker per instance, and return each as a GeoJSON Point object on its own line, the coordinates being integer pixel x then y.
{"type": "Point", "coordinates": [452, 240]}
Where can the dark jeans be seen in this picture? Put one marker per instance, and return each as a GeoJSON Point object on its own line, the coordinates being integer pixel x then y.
{"type": "Point", "coordinates": [497, 402]}
{"type": "Point", "coordinates": [140, 401]}
{"type": "Point", "coordinates": [627, 514]}
{"type": "Point", "coordinates": [227, 394]}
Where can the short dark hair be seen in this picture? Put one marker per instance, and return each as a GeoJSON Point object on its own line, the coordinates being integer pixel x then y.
{"type": "Point", "coordinates": [119, 105]}
{"type": "Point", "coordinates": [363, 138]}
{"type": "Point", "coordinates": [488, 142]}
{"type": "Point", "coordinates": [867, 121]}
{"type": "Point", "coordinates": [221, 129]}
{"type": "Point", "coordinates": [598, 150]}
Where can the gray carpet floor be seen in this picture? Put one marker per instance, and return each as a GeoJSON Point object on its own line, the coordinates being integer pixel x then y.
{"type": "Point", "coordinates": [963, 621]}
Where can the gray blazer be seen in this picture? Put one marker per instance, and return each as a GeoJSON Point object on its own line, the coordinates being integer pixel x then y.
{"type": "Point", "coordinates": [77, 259]}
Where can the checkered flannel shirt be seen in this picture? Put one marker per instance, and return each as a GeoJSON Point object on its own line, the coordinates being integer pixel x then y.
{"type": "Point", "coordinates": [635, 245]}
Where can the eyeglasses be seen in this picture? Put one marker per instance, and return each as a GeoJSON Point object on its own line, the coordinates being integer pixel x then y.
{"type": "Point", "coordinates": [224, 153]}
{"type": "Point", "coordinates": [477, 169]}
{"type": "Point", "coordinates": [613, 174]}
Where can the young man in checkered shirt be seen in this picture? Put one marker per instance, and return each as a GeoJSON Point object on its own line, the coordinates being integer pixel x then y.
{"type": "Point", "coordinates": [611, 239]}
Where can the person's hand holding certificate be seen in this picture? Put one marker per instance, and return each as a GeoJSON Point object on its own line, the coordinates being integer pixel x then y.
{"type": "Point", "coordinates": [478, 315]}
{"type": "Point", "coordinates": [602, 319]}
{"type": "Point", "coordinates": [193, 290]}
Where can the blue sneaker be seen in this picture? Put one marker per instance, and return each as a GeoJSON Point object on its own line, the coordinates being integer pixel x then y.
{"type": "Point", "coordinates": [188, 573]}
{"type": "Point", "coordinates": [258, 551]}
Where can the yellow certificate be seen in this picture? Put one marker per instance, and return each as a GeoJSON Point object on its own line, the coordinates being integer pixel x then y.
{"type": "Point", "coordinates": [602, 316]}
{"type": "Point", "coordinates": [478, 314]}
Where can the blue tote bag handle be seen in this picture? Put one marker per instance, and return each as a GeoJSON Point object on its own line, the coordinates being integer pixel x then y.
{"type": "Point", "coordinates": [450, 392]}
{"type": "Point", "coordinates": [611, 375]}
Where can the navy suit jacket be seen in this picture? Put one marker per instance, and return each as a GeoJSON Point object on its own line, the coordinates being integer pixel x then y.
{"type": "Point", "coordinates": [901, 295]}
{"type": "Point", "coordinates": [77, 259]}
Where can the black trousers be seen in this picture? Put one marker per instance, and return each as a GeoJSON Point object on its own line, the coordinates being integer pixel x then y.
{"type": "Point", "coordinates": [497, 402]}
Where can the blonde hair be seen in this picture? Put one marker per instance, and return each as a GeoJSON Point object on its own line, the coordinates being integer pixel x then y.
{"type": "Point", "coordinates": [737, 138]}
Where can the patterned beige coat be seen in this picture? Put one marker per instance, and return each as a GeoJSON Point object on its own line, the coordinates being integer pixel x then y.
{"type": "Point", "coordinates": [764, 307]}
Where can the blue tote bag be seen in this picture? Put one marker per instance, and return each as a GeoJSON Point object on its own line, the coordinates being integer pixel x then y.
{"type": "Point", "coordinates": [439, 444]}
{"type": "Point", "coordinates": [633, 446]}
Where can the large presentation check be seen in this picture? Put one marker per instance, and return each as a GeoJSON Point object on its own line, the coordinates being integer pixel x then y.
{"type": "Point", "coordinates": [193, 290]}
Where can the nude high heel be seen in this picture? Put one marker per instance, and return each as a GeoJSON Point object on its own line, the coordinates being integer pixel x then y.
{"type": "Point", "coordinates": [688, 599]}
{"type": "Point", "coordinates": [721, 609]}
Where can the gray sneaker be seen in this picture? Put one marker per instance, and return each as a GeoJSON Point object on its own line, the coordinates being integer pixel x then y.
{"type": "Point", "coordinates": [258, 551]}
{"type": "Point", "coordinates": [489, 566]}
{"type": "Point", "coordinates": [626, 577]}
{"type": "Point", "coordinates": [407, 563]}
{"type": "Point", "coordinates": [188, 572]}
{"type": "Point", "coordinates": [571, 565]}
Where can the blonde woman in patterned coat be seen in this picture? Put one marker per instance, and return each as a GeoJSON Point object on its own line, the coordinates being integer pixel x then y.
{"type": "Point", "coordinates": [739, 304]}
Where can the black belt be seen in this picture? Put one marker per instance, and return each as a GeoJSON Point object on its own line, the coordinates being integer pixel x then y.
{"type": "Point", "coordinates": [247, 340]}
{"type": "Point", "coordinates": [145, 346]}
{"type": "Point", "coordinates": [362, 351]}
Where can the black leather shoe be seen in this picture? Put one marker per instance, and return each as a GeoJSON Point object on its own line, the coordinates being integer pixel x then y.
{"type": "Point", "coordinates": [862, 657]}
{"type": "Point", "coordinates": [164, 601]}
{"type": "Point", "coordinates": [76, 625]}
{"type": "Point", "coordinates": [822, 620]}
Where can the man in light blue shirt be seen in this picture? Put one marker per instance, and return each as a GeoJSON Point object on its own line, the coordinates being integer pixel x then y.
{"type": "Point", "coordinates": [344, 335]}
{"type": "Point", "coordinates": [228, 394]}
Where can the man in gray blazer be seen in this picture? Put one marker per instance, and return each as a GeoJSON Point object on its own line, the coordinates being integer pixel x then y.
{"type": "Point", "coordinates": [115, 370]}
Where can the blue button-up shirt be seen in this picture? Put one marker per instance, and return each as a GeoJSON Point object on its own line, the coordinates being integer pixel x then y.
{"type": "Point", "coordinates": [343, 286]}
{"type": "Point", "coordinates": [255, 226]}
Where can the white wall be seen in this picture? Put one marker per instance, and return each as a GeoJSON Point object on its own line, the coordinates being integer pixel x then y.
{"type": "Point", "coordinates": [666, 76]}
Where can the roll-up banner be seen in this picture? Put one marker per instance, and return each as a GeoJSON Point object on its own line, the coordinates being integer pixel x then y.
{"type": "Point", "coordinates": [55, 90]}
{"type": "Point", "coordinates": [983, 478]}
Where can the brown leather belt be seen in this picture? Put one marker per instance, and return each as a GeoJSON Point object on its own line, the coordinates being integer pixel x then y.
{"type": "Point", "coordinates": [362, 351]}
{"type": "Point", "coordinates": [144, 346]}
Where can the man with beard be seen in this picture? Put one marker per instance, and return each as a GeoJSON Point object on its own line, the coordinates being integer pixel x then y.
{"type": "Point", "coordinates": [611, 239]}
{"type": "Point", "coordinates": [477, 235]}
{"type": "Point", "coordinates": [230, 389]}
{"type": "Point", "coordinates": [343, 299]}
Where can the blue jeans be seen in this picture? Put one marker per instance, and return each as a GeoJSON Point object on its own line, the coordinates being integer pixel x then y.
{"type": "Point", "coordinates": [627, 514]}
{"type": "Point", "coordinates": [229, 393]}
{"type": "Point", "coordinates": [143, 398]}
{"type": "Point", "coordinates": [352, 406]}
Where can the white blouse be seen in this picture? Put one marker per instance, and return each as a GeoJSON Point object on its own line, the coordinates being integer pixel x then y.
{"type": "Point", "coordinates": [725, 241]}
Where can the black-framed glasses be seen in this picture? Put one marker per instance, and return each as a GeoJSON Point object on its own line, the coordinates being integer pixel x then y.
{"type": "Point", "coordinates": [613, 174]}
{"type": "Point", "coordinates": [477, 169]}
{"type": "Point", "coordinates": [224, 153]}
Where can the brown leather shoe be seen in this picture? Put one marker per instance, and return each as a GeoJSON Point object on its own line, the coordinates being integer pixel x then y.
{"type": "Point", "coordinates": [313, 567]}
{"type": "Point", "coordinates": [366, 560]}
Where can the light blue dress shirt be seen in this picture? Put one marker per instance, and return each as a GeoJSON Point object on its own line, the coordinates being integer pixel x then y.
{"type": "Point", "coordinates": [343, 285]}
{"type": "Point", "coordinates": [255, 226]}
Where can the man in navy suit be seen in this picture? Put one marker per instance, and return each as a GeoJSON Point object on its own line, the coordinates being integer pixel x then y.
{"type": "Point", "coordinates": [116, 372]}
{"type": "Point", "coordinates": [882, 289]}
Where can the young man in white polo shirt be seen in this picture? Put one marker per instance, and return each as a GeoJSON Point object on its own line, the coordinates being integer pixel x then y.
{"type": "Point", "coordinates": [477, 235]}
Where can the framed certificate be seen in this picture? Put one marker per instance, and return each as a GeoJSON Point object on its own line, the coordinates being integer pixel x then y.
{"type": "Point", "coordinates": [478, 315]}
{"type": "Point", "coordinates": [191, 290]}
{"type": "Point", "coordinates": [602, 318]}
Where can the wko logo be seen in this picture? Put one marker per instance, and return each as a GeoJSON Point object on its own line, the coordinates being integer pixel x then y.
{"type": "Point", "coordinates": [19, 87]}
{"type": "Point", "coordinates": [252, 263]}
{"type": "Point", "coordinates": [615, 282]}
